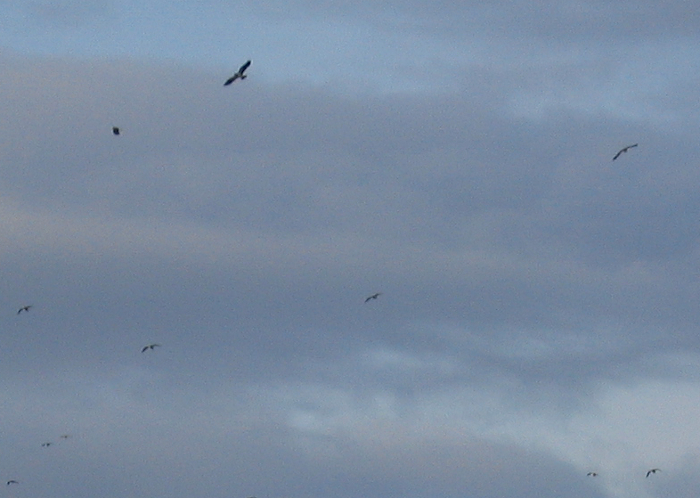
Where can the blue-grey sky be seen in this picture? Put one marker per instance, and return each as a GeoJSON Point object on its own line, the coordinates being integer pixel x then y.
{"type": "Point", "coordinates": [538, 318]}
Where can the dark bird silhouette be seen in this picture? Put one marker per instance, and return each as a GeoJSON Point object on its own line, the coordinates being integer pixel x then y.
{"type": "Point", "coordinates": [24, 308]}
{"type": "Point", "coordinates": [150, 346]}
{"type": "Point", "coordinates": [116, 130]}
{"type": "Point", "coordinates": [653, 471]}
{"type": "Point", "coordinates": [239, 74]}
{"type": "Point", "coordinates": [623, 150]}
{"type": "Point", "coordinates": [46, 445]}
{"type": "Point", "coordinates": [64, 436]}
{"type": "Point", "coordinates": [12, 481]}
{"type": "Point", "coordinates": [592, 474]}
{"type": "Point", "coordinates": [373, 296]}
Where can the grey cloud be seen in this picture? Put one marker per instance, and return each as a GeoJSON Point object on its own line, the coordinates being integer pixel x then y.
{"type": "Point", "coordinates": [313, 447]}
{"type": "Point", "coordinates": [243, 229]}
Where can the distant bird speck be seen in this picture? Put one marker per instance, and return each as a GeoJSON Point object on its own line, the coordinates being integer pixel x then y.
{"type": "Point", "coordinates": [150, 346]}
{"type": "Point", "coordinates": [373, 296]}
{"type": "Point", "coordinates": [592, 474]}
{"type": "Point", "coordinates": [653, 471]}
{"type": "Point", "coordinates": [46, 445]}
{"type": "Point", "coordinates": [239, 74]}
{"type": "Point", "coordinates": [115, 130]}
{"type": "Point", "coordinates": [24, 308]}
{"type": "Point", "coordinates": [623, 150]}
{"type": "Point", "coordinates": [64, 436]}
{"type": "Point", "coordinates": [12, 481]}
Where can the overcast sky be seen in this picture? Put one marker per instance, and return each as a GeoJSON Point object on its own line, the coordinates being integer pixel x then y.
{"type": "Point", "coordinates": [538, 317]}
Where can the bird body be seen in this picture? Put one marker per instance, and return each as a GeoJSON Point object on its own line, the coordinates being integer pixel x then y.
{"type": "Point", "coordinates": [623, 150]}
{"type": "Point", "coordinates": [116, 130]}
{"type": "Point", "coordinates": [239, 74]}
{"type": "Point", "coordinates": [653, 471]}
{"type": "Point", "coordinates": [373, 296]}
{"type": "Point", "coordinates": [24, 308]}
{"type": "Point", "coordinates": [12, 481]}
{"type": "Point", "coordinates": [150, 346]}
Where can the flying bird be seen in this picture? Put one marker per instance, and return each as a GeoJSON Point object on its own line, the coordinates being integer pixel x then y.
{"type": "Point", "coordinates": [150, 346]}
{"type": "Point", "coordinates": [653, 471]}
{"type": "Point", "coordinates": [64, 436]}
{"type": "Point", "coordinates": [239, 74]}
{"type": "Point", "coordinates": [623, 150]}
{"type": "Point", "coordinates": [592, 474]}
{"type": "Point", "coordinates": [46, 445]}
{"type": "Point", "coordinates": [373, 296]}
{"type": "Point", "coordinates": [12, 481]}
{"type": "Point", "coordinates": [24, 308]}
{"type": "Point", "coordinates": [115, 130]}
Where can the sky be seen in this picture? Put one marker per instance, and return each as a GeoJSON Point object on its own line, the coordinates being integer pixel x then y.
{"type": "Point", "coordinates": [538, 314]}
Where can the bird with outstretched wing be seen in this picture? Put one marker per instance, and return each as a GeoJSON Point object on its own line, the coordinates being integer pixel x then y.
{"type": "Point", "coordinates": [623, 150]}
{"type": "Point", "coordinates": [239, 74]}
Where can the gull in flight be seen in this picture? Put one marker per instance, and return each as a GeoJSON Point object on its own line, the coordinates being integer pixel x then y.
{"type": "Point", "coordinates": [653, 471]}
{"type": "Point", "coordinates": [592, 474]}
{"type": "Point", "coordinates": [46, 445]}
{"type": "Point", "coordinates": [150, 346]}
{"type": "Point", "coordinates": [623, 150]}
{"type": "Point", "coordinates": [12, 481]}
{"type": "Point", "coordinates": [373, 296]}
{"type": "Point", "coordinates": [239, 74]}
{"type": "Point", "coordinates": [116, 130]}
{"type": "Point", "coordinates": [24, 308]}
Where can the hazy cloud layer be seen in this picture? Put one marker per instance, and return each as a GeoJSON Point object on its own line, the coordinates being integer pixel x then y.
{"type": "Point", "coordinates": [537, 320]}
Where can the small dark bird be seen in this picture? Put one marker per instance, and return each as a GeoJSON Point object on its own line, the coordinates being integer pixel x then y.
{"type": "Point", "coordinates": [150, 346]}
{"type": "Point", "coordinates": [373, 296]}
{"type": "Point", "coordinates": [623, 150]}
{"type": "Point", "coordinates": [24, 308]}
{"type": "Point", "coordinates": [12, 481]}
{"type": "Point", "coordinates": [46, 445]}
{"type": "Point", "coordinates": [592, 474]}
{"type": "Point", "coordinates": [115, 130]}
{"type": "Point", "coordinates": [64, 436]}
{"type": "Point", "coordinates": [653, 471]}
{"type": "Point", "coordinates": [240, 74]}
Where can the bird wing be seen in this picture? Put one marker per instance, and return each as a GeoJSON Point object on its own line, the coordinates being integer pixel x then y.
{"type": "Point", "coordinates": [242, 69]}
{"type": "Point", "coordinates": [618, 154]}
{"type": "Point", "coordinates": [144, 349]}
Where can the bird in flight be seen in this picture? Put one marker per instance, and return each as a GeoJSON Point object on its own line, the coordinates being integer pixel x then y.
{"type": "Point", "coordinates": [653, 471]}
{"type": "Point", "coordinates": [64, 436]}
{"type": "Point", "coordinates": [623, 150]}
{"type": "Point", "coordinates": [116, 130]}
{"type": "Point", "coordinates": [592, 474]}
{"type": "Point", "coordinates": [239, 74]}
{"type": "Point", "coordinates": [46, 445]}
{"type": "Point", "coordinates": [12, 481]}
{"type": "Point", "coordinates": [24, 308]}
{"type": "Point", "coordinates": [150, 346]}
{"type": "Point", "coordinates": [373, 296]}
